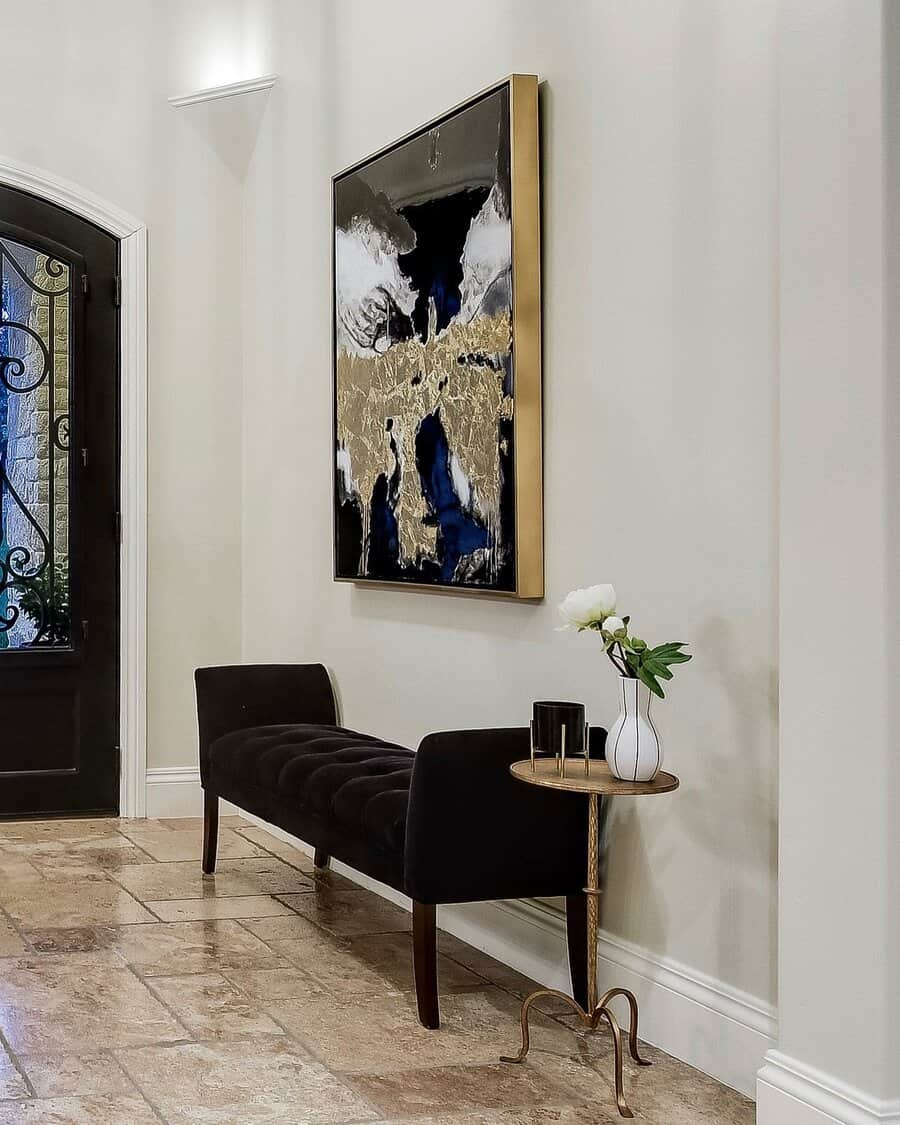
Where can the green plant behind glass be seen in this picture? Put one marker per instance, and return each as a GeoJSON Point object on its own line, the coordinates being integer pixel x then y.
{"type": "Point", "coordinates": [46, 604]}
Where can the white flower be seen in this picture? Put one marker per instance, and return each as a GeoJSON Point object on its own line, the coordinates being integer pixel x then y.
{"type": "Point", "coordinates": [613, 625]}
{"type": "Point", "coordinates": [583, 608]}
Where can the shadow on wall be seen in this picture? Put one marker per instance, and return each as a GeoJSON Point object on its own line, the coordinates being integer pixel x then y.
{"type": "Point", "coordinates": [229, 126]}
{"type": "Point", "coordinates": [624, 835]}
{"type": "Point", "coordinates": [741, 769]}
{"type": "Point", "coordinates": [747, 844]}
{"type": "Point", "coordinates": [509, 619]}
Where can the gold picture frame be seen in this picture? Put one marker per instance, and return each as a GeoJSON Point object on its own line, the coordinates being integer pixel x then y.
{"type": "Point", "coordinates": [409, 222]}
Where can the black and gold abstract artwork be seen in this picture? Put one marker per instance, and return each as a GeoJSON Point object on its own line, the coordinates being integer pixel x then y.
{"type": "Point", "coordinates": [437, 474]}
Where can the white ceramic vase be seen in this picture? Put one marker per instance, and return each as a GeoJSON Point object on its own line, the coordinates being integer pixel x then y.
{"type": "Point", "coordinates": [633, 750]}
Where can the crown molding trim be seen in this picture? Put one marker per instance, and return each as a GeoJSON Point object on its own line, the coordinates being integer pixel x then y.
{"type": "Point", "coordinates": [226, 90]}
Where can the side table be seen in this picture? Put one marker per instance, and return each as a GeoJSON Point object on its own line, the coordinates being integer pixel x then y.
{"type": "Point", "coordinates": [591, 779]}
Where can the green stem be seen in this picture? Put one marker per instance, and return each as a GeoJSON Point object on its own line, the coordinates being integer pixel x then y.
{"type": "Point", "coordinates": [615, 663]}
{"type": "Point", "coordinates": [629, 671]}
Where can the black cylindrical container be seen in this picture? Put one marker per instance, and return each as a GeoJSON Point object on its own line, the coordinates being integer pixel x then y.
{"type": "Point", "coordinates": [549, 720]}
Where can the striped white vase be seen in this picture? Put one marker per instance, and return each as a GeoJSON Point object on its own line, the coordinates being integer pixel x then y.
{"type": "Point", "coordinates": [633, 751]}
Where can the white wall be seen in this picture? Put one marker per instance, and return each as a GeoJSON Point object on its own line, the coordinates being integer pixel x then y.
{"type": "Point", "coordinates": [659, 125]}
{"type": "Point", "coordinates": [839, 870]}
{"type": "Point", "coordinates": [83, 92]}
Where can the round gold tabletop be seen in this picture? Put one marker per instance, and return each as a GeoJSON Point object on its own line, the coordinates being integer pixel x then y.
{"type": "Point", "coordinates": [546, 774]}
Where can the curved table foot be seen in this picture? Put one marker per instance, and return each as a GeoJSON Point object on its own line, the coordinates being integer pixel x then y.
{"type": "Point", "coordinates": [605, 1013]}
{"type": "Point", "coordinates": [526, 1008]}
{"type": "Point", "coordinates": [601, 1012]}
{"type": "Point", "coordinates": [633, 1029]}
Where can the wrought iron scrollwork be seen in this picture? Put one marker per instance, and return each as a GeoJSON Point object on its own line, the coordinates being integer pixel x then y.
{"type": "Point", "coordinates": [61, 433]}
{"type": "Point", "coordinates": [34, 331]}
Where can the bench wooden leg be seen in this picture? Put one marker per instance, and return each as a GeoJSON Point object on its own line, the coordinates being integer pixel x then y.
{"type": "Point", "coordinates": [576, 934]}
{"type": "Point", "coordinates": [321, 858]}
{"type": "Point", "coordinates": [425, 962]}
{"type": "Point", "coordinates": [210, 831]}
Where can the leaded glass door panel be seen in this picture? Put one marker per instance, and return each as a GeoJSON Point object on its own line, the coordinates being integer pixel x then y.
{"type": "Point", "coordinates": [35, 354]}
{"type": "Point", "coordinates": [58, 503]}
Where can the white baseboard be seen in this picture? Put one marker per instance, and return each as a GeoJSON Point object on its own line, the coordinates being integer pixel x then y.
{"type": "Point", "coordinates": [791, 1093]}
{"type": "Point", "coordinates": [174, 792]}
{"type": "Point", "coordinates": [684, 1012]}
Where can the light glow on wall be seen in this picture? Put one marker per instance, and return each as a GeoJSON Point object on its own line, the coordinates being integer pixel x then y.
{"type": "Point", "coordinates": [225, 43]}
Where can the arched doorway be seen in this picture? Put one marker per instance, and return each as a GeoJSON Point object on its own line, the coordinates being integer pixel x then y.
{"type": "Point", "coordinates": [59, 510]}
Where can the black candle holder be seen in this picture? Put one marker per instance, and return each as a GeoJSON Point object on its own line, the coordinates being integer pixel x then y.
{"type": "Point", "coordinates": [558, 730]}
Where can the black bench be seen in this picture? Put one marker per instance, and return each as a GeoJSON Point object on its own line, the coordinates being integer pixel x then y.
{"type": "Point", "coordinates": [444, 824]}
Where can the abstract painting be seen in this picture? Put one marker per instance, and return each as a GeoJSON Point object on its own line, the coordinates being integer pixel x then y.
{"type": "Point", "coordinates": [437, 473]}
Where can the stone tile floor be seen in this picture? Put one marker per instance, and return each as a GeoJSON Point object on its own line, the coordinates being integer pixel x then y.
{"type": "Point", "coordinates": [133, 991]}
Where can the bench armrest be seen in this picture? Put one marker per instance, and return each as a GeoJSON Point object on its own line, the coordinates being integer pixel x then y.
{"type": "Point", "coordinates": [475, 833]}
{"type": "Point", "coordinates": [237, 696]}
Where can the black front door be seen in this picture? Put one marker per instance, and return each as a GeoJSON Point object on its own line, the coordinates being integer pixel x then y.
{"type": "Point", "coordinates": [59, 488]}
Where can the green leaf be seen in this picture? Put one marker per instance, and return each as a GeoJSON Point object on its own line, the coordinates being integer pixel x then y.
{"type": "Point", "coordinates": [657, 668]}
{"type": "Point", "coordinates": [669, 654]}
{"type": "Point", "coordinates": [649, 679]}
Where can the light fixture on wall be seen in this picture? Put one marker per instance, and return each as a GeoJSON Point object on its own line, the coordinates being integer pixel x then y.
{"type": "Point", "coordinates": [226, 90]}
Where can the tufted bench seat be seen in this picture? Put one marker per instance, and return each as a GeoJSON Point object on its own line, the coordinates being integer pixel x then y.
{"type": "Point", "coordinates": [444, 824]}
{"type": "Point", "coordinates": [348, 792]}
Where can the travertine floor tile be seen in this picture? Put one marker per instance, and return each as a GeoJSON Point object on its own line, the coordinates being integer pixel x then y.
{"type": "Point", "coordinates": [167, 948]}
{"type": "Point", "coordinates": [50, 848]}
{"type": "Point", "coordinates": [61, 1004]}
{"type": "Point", "coordinates": [97, 863]}
{"type": "Point", "coordinates": [74, 939]}
{"type": "Point", "coordinates": [169, 844]}
{"type": "Point", "coordinates": [276, 995]}
{"type": "Point", "coordinates": [672, 1093]}
{"type": "Point", "coordinates": [497, 973]}
{"type": "Point", "coordinates": [12, 1084]}
{"type": "Point", "coordinates": [240, 906]}
{"type": "Point", "coordinates": [270, 843]}
{"type": "Point", "coordinates": [195, 823]}
{"type": "Point", "coordinates": [369, 964]}
{"type": "Point", "coordinates": [63, 860]}
{"type": "Point", "coordinates": [54, 1076]}
{"type": "Point", "coordinates": [77, 902]}
{"type": "Point", "coordinates": [390, 956]}
{"type": "Point", "coordinates": [264, 876]}
{"type": "Point", "coordinates": [350, 912]}
{"type": "Point", "coordinates": [210, 1007]}
{"type": "Point", "coordinates": [99, 1109]}
{"type": "Point", "coordinates": [544, 1115]}
{"type": "Point", "coordinates": [272, 1083]}
{"type": "Point", "coordinates": [75, 829]}
{"type": "Point", "coordinates": [11, 945]}
{"type": "Point", "coordinates": [289, 926]}
{"type": "Point", "coordinates": [273, 984]}
{"type": "Point", "coordinates": [382, 1033]}
{"type": "Point", "coordinates": [15, 869]}
{"type": "Point", "coordinates": [412, 1093]}
{"type": "Point", "coordinates": [666, 1093]}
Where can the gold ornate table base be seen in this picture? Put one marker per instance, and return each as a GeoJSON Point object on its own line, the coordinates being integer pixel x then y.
{"type": "Point", "coordinates": [601, 1010]}
{"type": "Point", "coordinates": [597, 1009]}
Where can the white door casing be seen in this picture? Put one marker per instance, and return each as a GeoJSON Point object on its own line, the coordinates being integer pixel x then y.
{"type": "Point", "coordinates": [132, 236]}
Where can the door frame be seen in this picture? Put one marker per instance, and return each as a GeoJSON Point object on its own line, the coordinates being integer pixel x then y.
{"type": "Point", "coordinates": [132, 236]}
